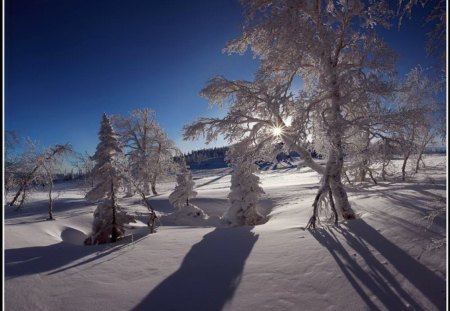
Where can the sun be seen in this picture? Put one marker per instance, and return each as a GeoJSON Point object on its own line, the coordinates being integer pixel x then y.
{"type": "Point", "coordinates": [277, 131]}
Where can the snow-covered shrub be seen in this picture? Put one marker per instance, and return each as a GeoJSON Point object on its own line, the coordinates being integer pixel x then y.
{"type": "Point", "coordinates": [188, 215]}
{"type": "Point", "coordinates": [106, 224]}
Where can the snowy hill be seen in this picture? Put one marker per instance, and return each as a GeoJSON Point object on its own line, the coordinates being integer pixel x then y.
{"type": "Point", "coordinates": [387, 259]}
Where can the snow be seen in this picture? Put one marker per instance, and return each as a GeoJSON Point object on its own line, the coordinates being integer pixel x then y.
{"type": "Point", "coordinates": [383, 260]}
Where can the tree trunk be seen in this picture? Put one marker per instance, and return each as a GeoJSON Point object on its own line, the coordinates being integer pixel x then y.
{"type": "Point", "coordinates": [335, 131]}
{"type": "Point", "coordinates": [383, 171]}
{"type": "Point", "coordinates": [24, 194]}
{"type": "Point", "coordinates": [333, 207]}
{"type": "Point", "coordinates": [346, 177]}
{"type": "Point", "coordinates": [16, 196]}
{"type": "Point", "coordinates": [405, 160]}
{"type": "Point", "coordinates": [312, 221]}
{"type": "Point", "coordinates": [153, 186]}
{"type": "Point", "coordinates": [334, 171]}
{"type": "Point", "coordinates": [364, 164]}
{"type": "Point", "coordinates": [155, 175]}
{"type": "Point", "coordinates": [153, 217]}
{"type": "Point", "coordinates": [146, 188]}
{"type": "Point", "coordinates": [129, 192]}
{"type": "Point", "coordinates": [331, 184]}
{"type": "Point", "coordinates": [425, 142]}
{"type": "Point", "coordinates": [340, 196]}
{"type": "Point", "coordinates": [24, 185]}
{"type": "Point", "coordinates": [332, 179]}
{"type": "Point", "coordinates": [50, 201]}
{"type": "Point", "coordinates": [362, 174]}
{"type": "Point", "coordinates": [371, 177]}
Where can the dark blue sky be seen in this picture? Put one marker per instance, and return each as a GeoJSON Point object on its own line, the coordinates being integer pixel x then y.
{"type": "Point", "coordinates": [69, 61]}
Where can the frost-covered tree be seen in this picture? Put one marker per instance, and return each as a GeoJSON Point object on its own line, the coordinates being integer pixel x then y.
{"type": "Point", "coordinates": [245, 189]}
{"type": "Point", "coordinates": [51, 162]}
{"type": "Point", "coordinates": [386, 150]}
{"type": "Point", "coordinates": [109, 219]}
{"type": "Point", "coordinates": [361, 155]}
{"type": "Point", "coordinates": [184, 190]}
{"type": "Point", "coordinates": [334, 49]}
{"type": "Point", "coordinates": [416, 103]}
{"type": "Point", "coordinates": [25, 172]}
{"type": "Point", "coordinates": [11, 162]}
{"type": "Point", "coordinates": [34, 165]}
{"type": "Point", "coordinates": [138, 185]}
{"type": "Point", "coordinates": [104, 171]}
{"type": "Point", "coordinates": [147, 146]}
{"type": "Point", "coordinates": [85, 165]}
{"type": "Point", "coordinates": [162, 153]}
{"type": "Point", "coordinates": [437, 18]}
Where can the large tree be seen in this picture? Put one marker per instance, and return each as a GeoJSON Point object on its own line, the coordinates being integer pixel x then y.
{"type": "Point", "coordinates": [344, 70]}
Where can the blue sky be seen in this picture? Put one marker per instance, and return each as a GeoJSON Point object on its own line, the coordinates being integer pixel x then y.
{"type": "Point", "coordinates": [69, 61]}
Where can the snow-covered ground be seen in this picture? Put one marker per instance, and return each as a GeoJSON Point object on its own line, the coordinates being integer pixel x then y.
{"type": "Point", "coordinates": [387, 259]}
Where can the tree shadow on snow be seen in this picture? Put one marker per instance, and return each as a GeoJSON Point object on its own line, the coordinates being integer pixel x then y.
{"type": "Point", "coordinates": [40, 259]}
{"type": "Point", "coordinates": [62, 208]}
{"type": "Point", "coordinates": [59, 257]}
{"type": "Point", "coordinates": [213, 180]}
{"type": "Point", "coordinates": [208, 275]}
{"type": "Point", "coordinates": [377, 280]}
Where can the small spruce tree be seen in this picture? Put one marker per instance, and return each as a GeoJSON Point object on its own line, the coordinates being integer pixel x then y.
{"type": "Point", "coordinates": [109, 219]}
{"type": "Point", "coordinates": [184, 190]}
{"type": "Point", "coordinates": [245, 190]}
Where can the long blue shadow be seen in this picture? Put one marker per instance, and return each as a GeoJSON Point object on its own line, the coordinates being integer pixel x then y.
{"type": "Point", "coordinates": [208, 275]}
{"type": "Point", "coordinates": [40, 259]}
{"type": "Point", "coordinates": [378, 280]}
{"type": "Point", "coordinates": [58, 257]}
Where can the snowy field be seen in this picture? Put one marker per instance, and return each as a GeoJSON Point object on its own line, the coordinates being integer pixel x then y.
{"type": "Point", "coordinates": [387, 259]}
